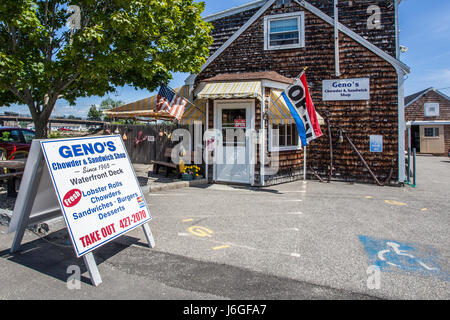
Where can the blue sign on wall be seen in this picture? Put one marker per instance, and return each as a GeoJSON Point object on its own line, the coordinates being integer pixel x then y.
{"type": "Point", "coordinates": [376, 143]}
{"type": "Point", "coordinates": [391, 255]}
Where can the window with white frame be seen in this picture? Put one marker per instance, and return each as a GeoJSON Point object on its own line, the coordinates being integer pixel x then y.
{"type": "Point", "coordinates": [431, 109]}
{"type": "Point", "coordinates": [284, 31]}
{"type": "Point", "coordinates": [280, 3]}
{"type": "Point", "coordinates": [287, 137]}
{"type": "Point", "coordinates": [431, 132]}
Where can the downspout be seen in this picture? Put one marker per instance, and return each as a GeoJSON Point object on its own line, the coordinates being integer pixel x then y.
{"type": "Point", "coordinates": [401, 101]}
{"type": "Point", "coordinates": [397, 30]}
{"type": "Point", "coordinates": [336, 39]}
{"type": "Point", "coordinates": [401, 125]}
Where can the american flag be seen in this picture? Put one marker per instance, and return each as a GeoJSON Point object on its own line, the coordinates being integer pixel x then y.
{"type": "Point", "coordinates": [170, 102]}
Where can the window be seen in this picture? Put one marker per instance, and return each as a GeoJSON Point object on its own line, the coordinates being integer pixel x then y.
{"type": "Point", "coordinates": [284, 31]}
{"type": "Point", "coordinates": [28, 136]}
{"type": "Point", "coordinates": [11, 136]}
{"type": "Point", "coordinates": [431, 109]}
{"type": "Point", "coordinates": [280, 3]}
{"type": "Point", "coordinates": [234, 125]}
{"type": "Point", "coordinates": [287, 137]}
{"type": "Point", "coordinates": [432, 132]}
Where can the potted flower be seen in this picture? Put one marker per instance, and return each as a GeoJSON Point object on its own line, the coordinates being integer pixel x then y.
{"type": "Point", "coordinates": [187, 174]}
{"type": "Point", "coordinates": [197, 175]}
{"type": "Point", "coordinates": [190, 172]}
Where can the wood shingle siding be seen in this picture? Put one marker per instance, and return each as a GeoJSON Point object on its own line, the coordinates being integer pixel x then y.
{"type": "Point", "coordinates": [359, 119]}
{"type": "Point", "coordinates": [415, 111]}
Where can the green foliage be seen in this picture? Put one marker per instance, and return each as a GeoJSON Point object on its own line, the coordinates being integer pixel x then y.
{"type": "Point", "coordinates": [110, 103]}
{"type": "Point", "coordinates": [5, 136]}
{"type": "Point", "coordinates": [94, 114]}
{"type": "Point", "coordinates": [55, 135]}
{"type": "Point", "coordinates": [121, 42]}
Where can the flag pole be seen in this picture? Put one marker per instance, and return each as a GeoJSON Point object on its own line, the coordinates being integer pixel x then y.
{"type": "Point", "coordinates": [189, 101]}
{"type": "Point", "coordinates": [298, 77]}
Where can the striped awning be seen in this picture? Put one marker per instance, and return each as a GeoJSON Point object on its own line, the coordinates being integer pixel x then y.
{"type": "Point", "coordinates": [231, 90]}
{"type": "Point", "coordinates": [195, 112]}
{"type": "Point", "coordinates": [145, 108]}
{"type": "Point", "coordinates": [279, 112]}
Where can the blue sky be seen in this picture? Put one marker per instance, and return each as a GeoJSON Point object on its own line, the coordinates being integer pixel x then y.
{"type": "Point", "coordinates": [425, 30]}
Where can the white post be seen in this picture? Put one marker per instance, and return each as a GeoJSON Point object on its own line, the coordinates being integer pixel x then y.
{"type": "Point", "coordinates": [336, 39]}
{"type": "Point", "coordinates": [262, 145]}
{"type": "Point", "coordinates": [206, 143]}
{"type": "Point", "coordinates": [304, 163]}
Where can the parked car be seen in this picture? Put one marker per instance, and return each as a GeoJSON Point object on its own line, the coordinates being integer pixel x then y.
{"type": "Point", "coordinates": [15, 143]}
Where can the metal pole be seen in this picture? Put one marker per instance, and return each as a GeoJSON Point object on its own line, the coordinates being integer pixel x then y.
{"type": "Point", "coordinates": [409, 154]}
{"type": "Point", "coordinates": [89, 261]}
{"type": "Point", "coordinates": [336, 39]}
{"type": "Point", "coordinates": [414, 172]}
{"type": "Point", "coordinates": [304, 163]}
{"type": "Point", "coordinates": [409, 165]}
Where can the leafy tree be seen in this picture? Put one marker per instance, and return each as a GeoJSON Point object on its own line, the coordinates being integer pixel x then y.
{"type": "Point", "coordinates": [94, 114]}
{"type": "Point", "coordinates": [110, 103]}
{"type": "Point", "coordinates": [119, 42]}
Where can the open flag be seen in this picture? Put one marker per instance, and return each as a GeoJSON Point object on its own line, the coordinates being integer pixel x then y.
{"type": "Point", "coordinates": [300, 104]}
{"type": "Point", "coordinates": [168, 101]}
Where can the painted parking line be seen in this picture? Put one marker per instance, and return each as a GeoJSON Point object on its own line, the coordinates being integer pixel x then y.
{"type": "Point", "coordinates": [259, 231]}
{"type": "Point", "coordinates": [226, 246]}
{"type": "Point", "coordinates": [395, 203]}
{"type": "Point", "coordinates": [167, 194]}
{"type": "Point", "coordinates": [225, 216]}
{"type": "Point", "coordinates": [239, 246]}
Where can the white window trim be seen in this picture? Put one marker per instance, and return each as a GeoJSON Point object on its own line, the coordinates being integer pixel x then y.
{"type": "Point", "coordinates": [431, 104]}
{"type": "Point", "coordinates": [301, 24]}
{"type": "Point", "coordinates": [280, 149]}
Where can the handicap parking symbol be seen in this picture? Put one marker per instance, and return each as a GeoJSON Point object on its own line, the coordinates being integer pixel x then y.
{"type": "Point", "coordinates": [391, 255]}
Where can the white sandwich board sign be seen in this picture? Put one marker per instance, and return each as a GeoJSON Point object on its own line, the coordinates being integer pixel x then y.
{"type": "Point", "coordinates": [92, 182]}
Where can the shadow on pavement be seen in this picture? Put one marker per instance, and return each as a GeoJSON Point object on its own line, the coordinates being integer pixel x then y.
{"type": "Point", "coordinates": [53, 254]}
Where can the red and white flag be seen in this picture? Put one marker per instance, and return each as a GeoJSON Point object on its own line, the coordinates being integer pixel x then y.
{"type": "Point", "coordinates": [168, 101]}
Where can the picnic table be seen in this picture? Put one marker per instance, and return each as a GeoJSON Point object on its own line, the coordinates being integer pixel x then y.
{"type": "Point", "coordinates": [15, 170]}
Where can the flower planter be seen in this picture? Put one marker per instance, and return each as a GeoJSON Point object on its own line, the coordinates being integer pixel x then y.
{"type": "Point", "coordinates": [187, 177]}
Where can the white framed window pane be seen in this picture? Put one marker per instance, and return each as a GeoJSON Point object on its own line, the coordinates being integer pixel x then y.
{"type": "Point", "coordinates": [281, 39]}
{"type": "Point", "coordinates": [284, 25]}
{"type": "Point", "coordinates": [294, 135]}
{"type": "Point", "coordinates": [431, 109]}
{"type": "Point", "coordinates": [282, 135]}
{"type": "Point", "coordinates": [284, 32]}
{"type": "Point", "coordinates": [289, 135]}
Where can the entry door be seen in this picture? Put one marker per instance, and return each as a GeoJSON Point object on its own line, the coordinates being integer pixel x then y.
{"type": "Point", "coordinates": [234, 122]}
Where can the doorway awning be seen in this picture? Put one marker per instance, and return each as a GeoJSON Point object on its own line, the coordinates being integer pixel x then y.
{"type": "Point", "coordinates": [231, 90]}
{"type": "Point", "coordinates": [279, 112]}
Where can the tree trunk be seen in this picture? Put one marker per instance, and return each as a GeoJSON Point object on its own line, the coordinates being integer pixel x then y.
{"type": "Point", "coordinates": [40, 128]}
{"type": "Point", "coordinates": [40, 119]}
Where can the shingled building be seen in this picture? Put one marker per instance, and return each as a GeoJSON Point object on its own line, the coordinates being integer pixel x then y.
{"type": "Point", "coordinates": [355, 78]}
{"type": "Point", "coordinates": [428, 121]}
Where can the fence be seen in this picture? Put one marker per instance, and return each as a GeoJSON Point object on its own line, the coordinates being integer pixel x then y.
{"type": "Point", "coordinates": [145, 143]}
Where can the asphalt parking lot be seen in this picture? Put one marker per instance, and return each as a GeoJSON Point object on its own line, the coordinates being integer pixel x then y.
{"type": "Point", "coordinates": [303, 240]}
{"type": "Point", "coordinates": [323, 234]}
